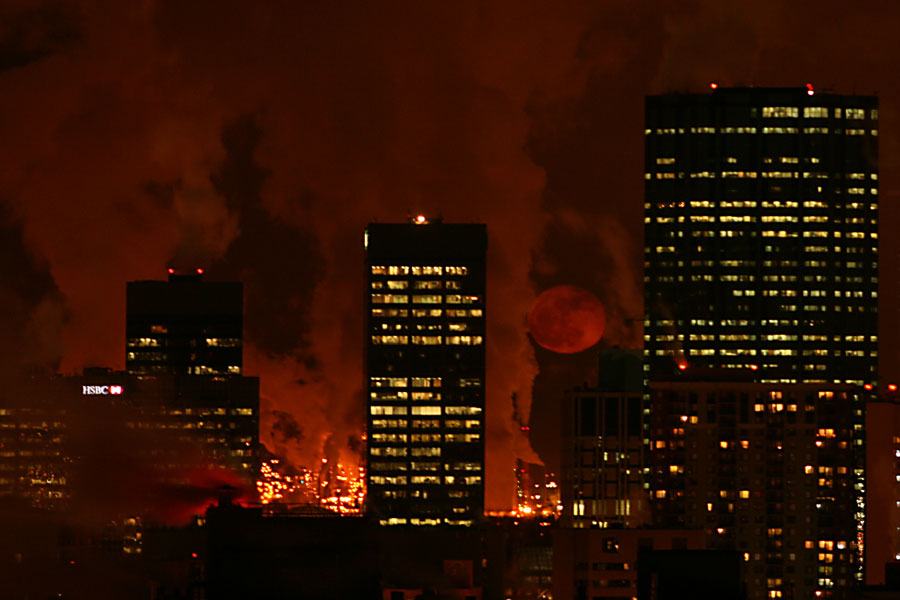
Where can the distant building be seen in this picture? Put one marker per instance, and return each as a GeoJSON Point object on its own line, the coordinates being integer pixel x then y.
{"type": "Point", "coordinates": [774, 471]}
{"type": "Point", "coordinates": [603, 563]}
{"type": "Point", "coordinates": [425, 372]}
{"type": "Point", "coordinates": [882, 487]}
{"type": "Point", "coordinates": [167, 427]}
{"type": "Point", "coordinates": [761, 233]}
{"type": "Point", "coordinates": [184, 326]}
{"type": "Point", "coordinates": [605, 447]}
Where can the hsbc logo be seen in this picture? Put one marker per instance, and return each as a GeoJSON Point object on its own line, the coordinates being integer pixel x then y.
{"type": "Point", "coordinates": [101, 390]}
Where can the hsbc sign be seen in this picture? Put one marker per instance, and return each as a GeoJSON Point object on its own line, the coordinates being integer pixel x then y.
{"type": "Point", "coordinates": [101, 390]}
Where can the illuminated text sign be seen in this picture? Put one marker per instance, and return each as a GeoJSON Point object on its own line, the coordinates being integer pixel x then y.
{"type": "Point", "coordinates": [101, 390]}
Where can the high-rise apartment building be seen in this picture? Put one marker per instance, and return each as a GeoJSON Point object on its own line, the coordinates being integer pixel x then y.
{"type": "Point", "coordinates": [761, 222]}
{"type": "Point", "coordinates": [184, 326]}
{"type": "Point", "coordinates": [425, 372]}
{"type": "Point", "coordinates": [773, 471]}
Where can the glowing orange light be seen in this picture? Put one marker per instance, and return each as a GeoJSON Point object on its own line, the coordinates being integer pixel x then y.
{"type": "Point", "coordinates": [199, 271]}
{"type": "Point", "coordinates": [713, 85]}
{"type": "Point", "coordinates": [682, 366]}
{"type": "Point", "coordinates": [868, 386]}
{"type": "Point", "coordinates": [892, 387]}
{"type": "Point", "coordinates": [754, 367]}
{"type": "Point", "coordinates": [420, 219]}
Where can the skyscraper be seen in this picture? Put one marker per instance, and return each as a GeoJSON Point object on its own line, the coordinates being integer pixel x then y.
{"type": "Point", "coordinates": [425, 372]}
{"type": "Point", "coordinates": [184, 326]}
{"type": "Point", "coordinates": [761, 222]}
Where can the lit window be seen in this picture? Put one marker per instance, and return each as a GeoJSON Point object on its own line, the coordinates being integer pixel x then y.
{"type": "Point", "coordinates": [390, 410]}
{"type": "Point", "coordinates": [780, 111]}
{"type": "Point", "coordinates": [390, 340]}
{"type": "Point", "coordinates": [815, 112]}
{"type": "Point", "coordinates": [464, 340]}
{"type": "Point", "coordinates": [390, 298]}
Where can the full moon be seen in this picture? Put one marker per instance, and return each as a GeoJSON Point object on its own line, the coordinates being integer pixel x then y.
{"type": "Point", "coordinates": [566, 319]}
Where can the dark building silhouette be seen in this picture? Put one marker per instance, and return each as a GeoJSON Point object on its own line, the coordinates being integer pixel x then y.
{"type": "Point", "coordinates": [184, 326]}
{"type": "Point", "coordinates": [425, 372]}
{"type": "Point", "coordinates": [689, 575]}
{"type": "Point", "coordinates": [603, 563]}
{"type": "Point", "coordinates": [761, 223]}
{"type": "Point", "coordinates": [882, 488]}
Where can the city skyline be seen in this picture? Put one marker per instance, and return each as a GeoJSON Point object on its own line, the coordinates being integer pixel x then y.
{"type": "Point", "coordinates": [156, 155]}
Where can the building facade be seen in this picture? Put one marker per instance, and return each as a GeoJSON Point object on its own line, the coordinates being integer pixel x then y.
{"type": "Point", "coordinates": [184, 326]}
{"type": "Point", "coordinates": [761, 223]}
{"type": "Point", "coordinates": [606, 447]}
{"type": "Point", "coordinates": [774, 471]}
{"type": "Point", "coordinates": [425, 372]}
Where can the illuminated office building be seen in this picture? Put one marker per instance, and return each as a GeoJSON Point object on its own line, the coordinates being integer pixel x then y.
{"type": "Point", "coordinates": [175, 430]}
{"type": "Point", "coordinates": [761, 223]}
{"type": "Point", "coordinates": [184, 326]}
{"type": "Point", "coordinates": [425, 372]}
{"type": "Point", "coordinates": [774, 471]}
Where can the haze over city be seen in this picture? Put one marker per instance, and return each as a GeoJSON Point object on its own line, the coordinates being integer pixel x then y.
{"type": "Point", "coordinates": [256, 141]}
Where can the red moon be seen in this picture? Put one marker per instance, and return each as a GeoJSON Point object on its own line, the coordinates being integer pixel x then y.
{"type": "Point", "coordinates": [566, 319]}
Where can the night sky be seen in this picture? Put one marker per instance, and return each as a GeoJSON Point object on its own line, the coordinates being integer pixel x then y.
{"type": "Point", "coordinates": [258, 139]}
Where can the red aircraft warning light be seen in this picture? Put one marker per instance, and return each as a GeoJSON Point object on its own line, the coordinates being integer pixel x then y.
{"type": "Point", "coordinates": [421, 220]}
{"type": "Point", "coordinates": [867, 386]}
{"type": "Point", "coordinates": [892, 387]}
{"type": "Point", "coordinates": [809, 89]}
{"type": "Point", "coordinates": [199, 271]}
{"type": "Point", "coordinates": [682, 366]}
{"type": "Point", "coordinates": [171, 271]}
{"type": "Point", "coordinates": [754, 367]}
{"type": "Point", "coordinates": [713, 85]}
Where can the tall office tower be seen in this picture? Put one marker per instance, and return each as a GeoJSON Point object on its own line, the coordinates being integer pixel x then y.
{"type": "Point", "coordinates": [761, 223]}
{"type": "Point", "coordinates": [770, 470]}
{"type": "Point", "coordinates": [184, 326]}
{"type": "Point", "coordinates": [425, 372]}
{"type": "Point", "coordinates": [605, 448]}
